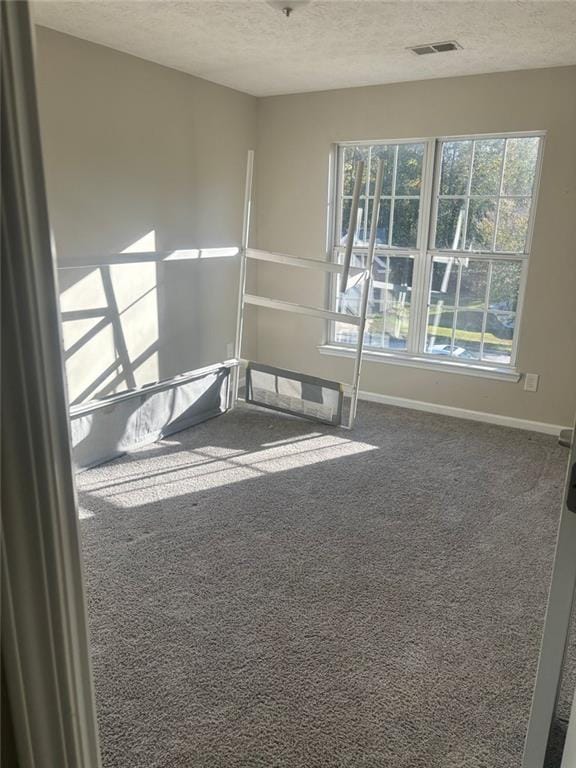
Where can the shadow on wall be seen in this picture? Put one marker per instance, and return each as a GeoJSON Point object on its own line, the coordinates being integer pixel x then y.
{"type": "Point", "coordinates": [110, 325]}
{"type": "Point", "coordinates": [136, 322]}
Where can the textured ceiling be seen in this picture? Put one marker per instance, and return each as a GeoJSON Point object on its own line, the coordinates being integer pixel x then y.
{"type": "Point", "coordinates": [253, 47]}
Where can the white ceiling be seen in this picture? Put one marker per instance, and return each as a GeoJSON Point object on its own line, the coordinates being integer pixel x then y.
{"type": "Point", "coordinates": [253, 47]}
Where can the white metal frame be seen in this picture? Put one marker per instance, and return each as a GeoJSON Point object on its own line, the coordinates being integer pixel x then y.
{"type": "Point", "coordinates": [244, 253]}
{"type": "Point", "coordinates": [328, 267]}
{"type": "Point", "coordinates": [352, 224]}
{"type": "Point", "coordinates": [365, 290]}
{"type": "Point", "coordinates": [246, 218]}
{"type": "Point", "coordinates": [424, 253]}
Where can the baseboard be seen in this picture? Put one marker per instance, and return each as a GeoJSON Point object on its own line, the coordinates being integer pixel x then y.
{"type": "Point", "coordinates": [463, 413]}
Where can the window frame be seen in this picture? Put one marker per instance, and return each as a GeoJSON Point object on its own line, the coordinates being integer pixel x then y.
{"type": "Point", "coordinates": [423, 254]}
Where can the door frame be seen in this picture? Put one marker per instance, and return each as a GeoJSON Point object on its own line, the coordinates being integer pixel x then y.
{"type": "Point", "coordinates": [556, 631]}
{"type": "Point", "coordinates": [45, 645]}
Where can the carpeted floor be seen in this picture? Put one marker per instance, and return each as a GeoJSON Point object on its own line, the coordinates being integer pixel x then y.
{"type": "Point", "coordinates": [267, 592]}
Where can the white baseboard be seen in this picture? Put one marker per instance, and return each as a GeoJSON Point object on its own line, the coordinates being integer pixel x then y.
{"type": "Point", "coordinates": [463, 413]}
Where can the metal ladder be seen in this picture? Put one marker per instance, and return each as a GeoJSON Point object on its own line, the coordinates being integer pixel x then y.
{"type": "Point", "coordinates": [362, 274]}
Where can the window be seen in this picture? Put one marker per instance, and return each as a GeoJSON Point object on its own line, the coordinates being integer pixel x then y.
{"type": "Point", "coordinates": [400, 205]}
{"type": "Point", "coordinates": [452, 245]}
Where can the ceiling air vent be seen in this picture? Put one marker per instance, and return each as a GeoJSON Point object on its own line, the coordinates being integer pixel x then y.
{"type": "Point", "coordinates": [422, 50]}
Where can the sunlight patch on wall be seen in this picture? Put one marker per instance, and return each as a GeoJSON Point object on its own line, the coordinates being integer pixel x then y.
{"type": "Point", "coordinates": [136, 294]}
{"type": "Point", "coordinates": [144, 244]}
{"type": "Point", "coordinates": [110, 326]}
{"type": "Point", "coordinates": [148, 370]}
{"type": "Point", "coordinates": [75, 330]}
{"type": "Point", "coordinates": [86, 293]}
{"type": "Point", "coordinates": [93, 365]}
{"type": "Point", "coordinates": [203, 253]}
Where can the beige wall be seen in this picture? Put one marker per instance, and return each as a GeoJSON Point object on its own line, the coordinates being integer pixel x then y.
{"type": "Point", "coordinates": [295, 134]}
{"type": "Point", "coordinates": [133, 148]}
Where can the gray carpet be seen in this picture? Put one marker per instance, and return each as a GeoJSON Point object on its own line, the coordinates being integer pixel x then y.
{"type": "Point", "coordinates": [267, 592]}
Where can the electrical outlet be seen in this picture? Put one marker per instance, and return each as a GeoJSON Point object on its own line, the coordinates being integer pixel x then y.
{"type": "Point", "coordinates": [531, 382]}
{"type": "Point", "coordinates": [230, 350]}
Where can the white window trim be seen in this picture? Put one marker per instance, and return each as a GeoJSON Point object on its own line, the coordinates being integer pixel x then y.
{"type": "Point", "coordinates": [427, 362]}
{"type": "Point", "coordinates": [423, 259]}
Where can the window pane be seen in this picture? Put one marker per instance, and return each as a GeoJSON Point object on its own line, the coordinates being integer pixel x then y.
{"type": "Point", "coordinates": [439, 333]}
{"type": "Point", "coordinates": [346, 204]}
{"type": "Point", "coordinates": [389, 305]}
{"type": "Point", "coordinates": [498, 337]}
{"type": "Point", "coordinates": [444, 282]}
{"type": "Point", "coordinates": [386, 152]}
{"type": "Point", "coordinates": [500, 353]}
{"type": "Point", "coordinates": [475, 323]}
{"type": "Point", "coordinates": [481, 219]}
{"type": "Point", "coordinates": [364, 210]}
{"type": "Point", "coordinates": [409, 171]}
{"type": "Point", "coordinates": [349, 301]}
{"type": "Point", "coordinates": [499, 328]}
{"type": "Point", "coordinates": [513, 225]}
{"type": "Point", "coordinates": [403, 166]}
{"type": "Point", "coordinates": [347, 173]}
{"type": "Point", "coordinates": [468, 334]}
{"type": "Point", "coordinates": [473, 284]}
{"type": "Point", "coordinates": [456, 157]}
{"type": "Point", "coordinates": [365, 222]}
{"type": "Point", "coordinates": [360, 237]}
{"type": "Point", "coordinates": [505, 286]}
{"type": "Point", "coordinates": [380, 268]}
{"type": "Point", "coordinates": [520, 167]}
{"type": "Point", "coordinates": [388, 317]}
{"type": "Point", "coordinates": [486, 168]}
{"type": "Point", "coordinates": [382, 234]}
{"type": "Point", "coordinates": [499, 167]}
{"type": "Point", "coordinates": [405, 229]}
{"type": "Point", "coordinates": [351, 157]}
{"type": "Point", "coordinates": [450, 224]}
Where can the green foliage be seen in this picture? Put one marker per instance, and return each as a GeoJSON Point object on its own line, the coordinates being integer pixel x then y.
{"type": "Point", "coordinates": [407, 160]}
{"type": "Point", "coordinates": [505, 284]}
{"type": "Point", "coordinates": [476, 168]}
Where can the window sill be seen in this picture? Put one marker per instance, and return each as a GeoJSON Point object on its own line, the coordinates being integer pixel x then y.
{"type": "Point", "coordinates": [414, 361]}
